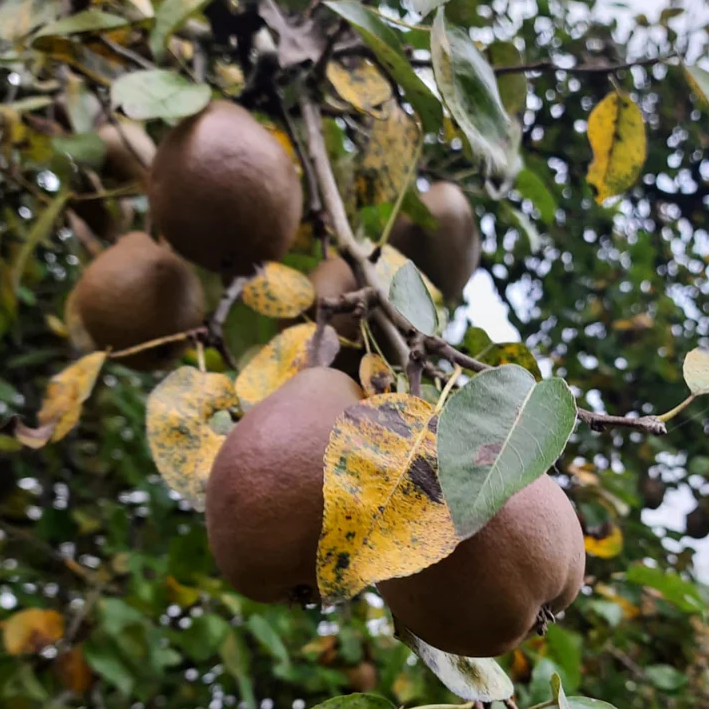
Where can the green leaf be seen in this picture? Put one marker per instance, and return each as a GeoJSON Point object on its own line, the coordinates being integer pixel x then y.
{"type": "Point", "coordinates": [117, 615]}
{"type": "Point", "coordinates": [698, 80]}
{"type": "Point", "coordinates": [29, 104]}
{"type": "Point", "coordinates": [476, 679]}
{"type": "Point", "coordinates": [531, 187]}
{"type": "Point", "coordinates": [665, 677]}
{"type": "Point", "coordinates": [423, 7]}
{"type": "Point", "coordinates": [169, 17]}
{"type": "Point", "coordinates": [83, 148]}
{"type": "Point", "coordinates": [356, 701]}
{"type": "Point", "coordinates": [385, 43]}
{"type": "Point", "coordinates": [263, 631]}
{"type": "Point", "coordinates": [696, 370]}
{"type": "Point", "coordinates": [41, 230]}
{"type": "Point", "coordinates": [204, 637]}
{"type": "Point", "coordinates": [583, 703]}
{"type": "Point", "coordinates": [158, 93]}
{"type": "Point", "coordinates": [684, 594]}
{"type": "Point", "coordinates": [566, 648]}
{"type": "Point", "coordinates": [105, 662]}
{"type": "Point", "coordinates": [512, 87]}
{"type": "Point", "coordinates": [19, 17]}
{"type": "Point", "coordinates": [469, 89]}
{"type": "Point", "coordinates": [526, 226]}
{"type": "Point", "coordinates": [498, 434]}
{"type": "Point", "coordinates": [87, 21]}
{"type": "Point", "coordinates": [557, 692]}
{"type": "Point", "coordinates": [611, 612]}
{"type": "Point", "coordinates": [235, 655]}
{"type": "Point", "coordinates": [409, 295]}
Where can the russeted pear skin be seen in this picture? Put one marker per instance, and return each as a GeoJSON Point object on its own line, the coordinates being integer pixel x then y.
{"type": "Point", "coordinates": [332, 278]}
{"type": "Point", "coordinates": [224, 192]}
{"type": "Point", "coordinates": [484, 599]}
{"type": "Point", "coordinates": [264, 495]}
{"type": "Point", "coordinates": [122, 163]}
{"type": "Point", "coordinates": [136, 291]}
{"type": "Point", "coordinates": [450, 254]}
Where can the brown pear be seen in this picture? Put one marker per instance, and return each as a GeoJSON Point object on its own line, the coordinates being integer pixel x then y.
{"type": "Point", "coordinates": [224, 192]}
{"type": "Point", "coordinates": [137, 291]}
{"type": "Point", "coordinates": [450, 254]}
{"type": "Point", "coordinates": [264, 495]}
{"type": "Point", "coordinates": [129, 151]}
{"type": "Point", "coordinates": [332, 278]}
{"type": "Point", "coordinates": [502, 584]}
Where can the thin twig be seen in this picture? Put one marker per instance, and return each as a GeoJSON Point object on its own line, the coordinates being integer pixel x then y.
{"type": "Point", "coordinates": [177, 337]}
{"type": "Point", "coordinates": [126, 53]}
{"type": "Point", "coordinates": [216, 324]}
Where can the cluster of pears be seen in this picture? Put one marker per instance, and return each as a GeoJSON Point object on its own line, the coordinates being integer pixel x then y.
{"type": "Point", "coordinates": [223, 193]}
{"type": "Point", "coordinates": [264, 515]}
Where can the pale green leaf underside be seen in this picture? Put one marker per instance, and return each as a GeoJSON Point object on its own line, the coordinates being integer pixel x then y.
{"type": "Point", "coordinates": [409, 295]}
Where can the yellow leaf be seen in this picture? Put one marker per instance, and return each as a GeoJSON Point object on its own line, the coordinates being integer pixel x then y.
{"type": "Point", "coordinates": [606, 548]}
{"type": "Point", "coordinates": [229, 78]}
{"type": "Point", "coordinates": [375, 375]}
{"type": "Point", "coordinates": [696, 370]}
{"type": "Point", "coordinates": [629, 609]}
{"type": "Point", "coordinates": [639, 322]}
{"type": "Point", "coordinates": [384, 512]}
{"type": "Point", "coordinates": [617, 136]}
{"type": "Point", "coordinates": [282, 358]}
{"type": "Point", "coordinates": [279, 292]}
{"type": "Point", "coordinates": [182, 442]}
{"type": "Point", "coordinates": [363, 85]}
{"type": "Point", "coordinates": [391, 148]}
{"type": "Point", "coordinates": [31, 630]}
{"type": "Point", "coordinates": [56, 325]}
{"type": "Point", "coordinates": [62, 405]}
{"type": "Point", "coordinates": [183, 596]}
{"type": "Point", "coordinates": [73, 670]}
{"type": "Point", "coordinates": [391, 261]}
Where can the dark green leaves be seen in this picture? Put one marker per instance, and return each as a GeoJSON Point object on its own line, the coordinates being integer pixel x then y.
{"type": "Point", "coordinates": [409, 295]}
{"type": "Point", "coordinates": [385, 43]}
{"type": "Point", "coordinates": [478, 344]}
{"type": "Point", "coordinates": [469, 89]}
{"type": "Point", "coordinates": [499, 433]}
{"type": "Point", "coordinates": [158, 93]}
{"type": "Point", "coordinates": [531, 187]}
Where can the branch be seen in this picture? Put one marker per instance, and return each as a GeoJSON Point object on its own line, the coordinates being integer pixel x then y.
{"type": "Point", "coordinates": [437, 346]}
{"type": "Point", "coordinates": [216, 324]}
{"type": "Point", "coordinates": [344, 236]}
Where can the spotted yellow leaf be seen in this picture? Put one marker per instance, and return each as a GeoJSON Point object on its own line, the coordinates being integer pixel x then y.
{"type": "Point", "coordinates": [362, 86]}
{"type": "Point", "coordinates": [391, 149]}
{"type": "Point", "coordinates": [617, 136]}
{"type": "Point", "coordinates": [31, 630]}
{"type": "Point", "coordinates": [61, 408]}
{"type": "Point", "coordinates": [182, 442]}
{"type": "Point", "coordinates": [279, 291]}
{"type": "Point", "coordinates": [384, 513]}
{"type": "Point", "coordinates": [282, 358]}
{"type": "Point", "coordinates": [696, 370]}
{"type": "Point", "coordinates": [375, 375]}
{"type": "Point", "coordinates": [607, 547]}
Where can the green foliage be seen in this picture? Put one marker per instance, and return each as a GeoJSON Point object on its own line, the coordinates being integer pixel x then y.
{"type": "Point", "coordinates": [611, 301]}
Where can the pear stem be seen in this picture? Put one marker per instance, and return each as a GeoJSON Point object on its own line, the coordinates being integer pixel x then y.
{"type": "Point", "coordinates": [680, 407]}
